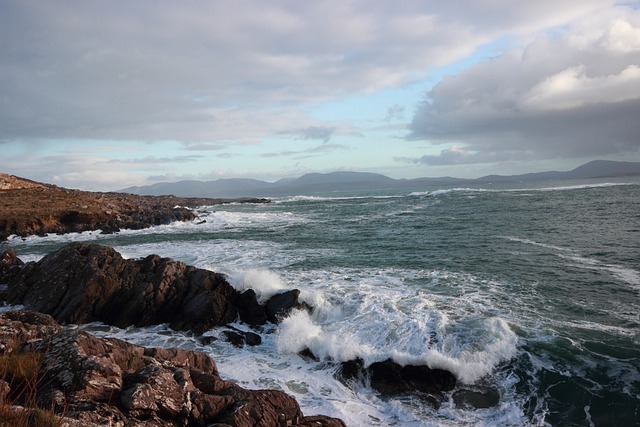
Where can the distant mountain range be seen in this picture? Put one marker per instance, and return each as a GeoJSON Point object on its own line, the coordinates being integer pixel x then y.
{"type": "Point", "coordinates": [352, 181]}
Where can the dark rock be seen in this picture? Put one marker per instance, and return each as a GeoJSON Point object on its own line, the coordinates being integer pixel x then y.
{"type": "Point", "coordinates": [251, 312]}
{"type": "Point", "coordinates": [352, 370]}
{"type": "Point", "coordinates": [93, 381]}
{"type": "Point", "coordinates": [234, 338]}
{"type": "Point", "coordinates": [10, 264]}
{"type": "Point", "coordinates": [83, 283]}
{"type": "Point", "coordinates": [206, 340]}
{"type": "Point", "coordinates": [281, 305]}
{"type": "Point", "coordinates": [390, 378]}
{"type": "Point", "coordinates": [308, 355]}
{"type": "Point", "coordinates": [239, 338]}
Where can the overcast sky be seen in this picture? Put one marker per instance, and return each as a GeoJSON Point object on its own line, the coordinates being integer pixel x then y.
{"type": "Point", "coordinates": [101, 95]}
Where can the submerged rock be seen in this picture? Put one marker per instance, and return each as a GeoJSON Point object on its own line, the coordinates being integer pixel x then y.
{"type": "Point", "coordinates": [110, 382]}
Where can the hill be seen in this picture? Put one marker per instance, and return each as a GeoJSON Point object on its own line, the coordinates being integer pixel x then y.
{"type": "Point", "coordinates": [354, 181]}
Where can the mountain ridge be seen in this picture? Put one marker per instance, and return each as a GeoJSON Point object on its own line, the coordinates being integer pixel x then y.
{"type": "Point", "coordinates": [352, 181]}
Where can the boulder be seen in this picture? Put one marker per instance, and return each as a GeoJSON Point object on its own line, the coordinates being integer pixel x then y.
{"type": "Point", "coordinates": [110, 382]}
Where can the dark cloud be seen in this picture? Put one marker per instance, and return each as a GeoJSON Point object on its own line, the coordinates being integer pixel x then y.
{"type": "Point", "coordinates": [571, 95]}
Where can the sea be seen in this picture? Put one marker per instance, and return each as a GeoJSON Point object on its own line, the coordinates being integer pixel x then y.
{"type": "Point", "coordinates": [525, 291]}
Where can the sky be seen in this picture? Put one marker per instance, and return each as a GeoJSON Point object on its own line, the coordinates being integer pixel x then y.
{"type": "Point", "coordinates": [102, 95]}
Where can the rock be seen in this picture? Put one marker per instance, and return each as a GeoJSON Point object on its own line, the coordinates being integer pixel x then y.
{"type": "Point", "coordinates": [251, 312]}
{"type": "Point", "coordinates": [390, 378]}
{"type": "Point", "coordinates": [281, 305]}
{"type": "Point", "coordinates": [20, 327]}
{"type": "Point", "coordinates": [10, 264]}
{"type": "Point", "coordinates": [240, 338]}
{"type": "Point", "coordinates": [83, 283]}
{"type": "Point", "coordinates": [94, 381]}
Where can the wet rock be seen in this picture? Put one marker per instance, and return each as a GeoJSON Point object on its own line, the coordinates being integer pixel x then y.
{"type": "Point", "coordinates": [280, 306]}
{"type": "Point", "coordinates": [251, 312]}
{"type": "Point", "coordinates": [390, 378]}
{"type": "Point", "coordinates": [239, 339]}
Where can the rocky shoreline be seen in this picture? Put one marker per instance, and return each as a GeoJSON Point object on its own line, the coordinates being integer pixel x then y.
{"type": "Point", "coordinates": [90, 381]}
{"type": "Point", "coordinates": [31, 208]}
{"type": "Point", "coordinates": [83, 283]}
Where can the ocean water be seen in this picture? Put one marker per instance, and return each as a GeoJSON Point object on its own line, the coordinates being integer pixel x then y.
{"type": "Point", "coordinates": [528, 290]}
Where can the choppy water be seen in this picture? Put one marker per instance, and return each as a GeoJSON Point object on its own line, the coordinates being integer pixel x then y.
{"type": "Point", "coordinates": [530, 290]}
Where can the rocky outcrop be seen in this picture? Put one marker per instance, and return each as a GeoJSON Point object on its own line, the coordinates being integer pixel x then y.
{"type": "Point", "coordinates": [110, 382]}
{"type": "Point", "coordinates": [31, 208]}
{"type": "Point", "coordinates": [83, 283]}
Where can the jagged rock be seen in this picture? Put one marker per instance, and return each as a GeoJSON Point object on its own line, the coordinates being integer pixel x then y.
{"type": "Point", "coordinates": [110, 382]}
{"type": "Point", "coordinates": [20, 327]}
{"type": "Point", "coordinates": [82, 283]}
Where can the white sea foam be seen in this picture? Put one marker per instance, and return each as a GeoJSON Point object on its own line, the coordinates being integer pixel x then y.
{"type": "Point", "coordinates": [451, 190]}
{"type": "Point", "coordinates": [265, 283]}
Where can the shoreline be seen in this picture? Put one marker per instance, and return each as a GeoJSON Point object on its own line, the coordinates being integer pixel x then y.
{"type": "Point", "coordinates": [30, 208]}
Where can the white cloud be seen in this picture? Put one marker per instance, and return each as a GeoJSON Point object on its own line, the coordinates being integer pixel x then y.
{"type": "Point", "coordinates": [574, 93]}
{"type": "Point", "coordinates": [573, 88]}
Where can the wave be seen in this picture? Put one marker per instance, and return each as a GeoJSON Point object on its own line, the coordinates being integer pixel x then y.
{"type": "Point", "coordinates": [303, 198]}
{"type": "Point", "coordinates": [622, 273]}
{"type": "Point", "coordinates": [445, 191]}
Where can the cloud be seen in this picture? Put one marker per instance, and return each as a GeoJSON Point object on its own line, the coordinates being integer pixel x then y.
{"type": "Point", "coordinates": [571, 94]}
{"type": "Point", "coordinates": [223, 71]}
{"type": "Point", "coordinates": [311, 132]}
{"type": "Point", "coordinates": [395, 112]}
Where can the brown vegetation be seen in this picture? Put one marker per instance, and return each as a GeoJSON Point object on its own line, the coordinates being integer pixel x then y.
{"type": "Point", "coordinates": [32, 208]}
